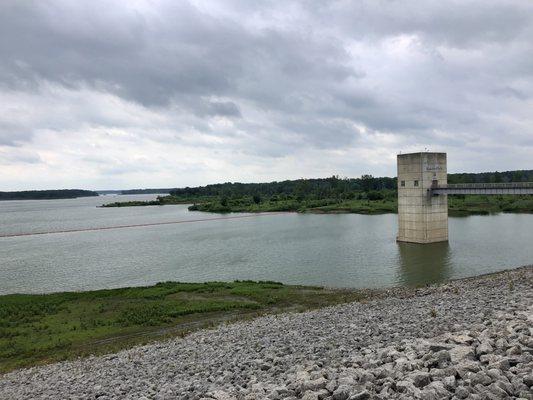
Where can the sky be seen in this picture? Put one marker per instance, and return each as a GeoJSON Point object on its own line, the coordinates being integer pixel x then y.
{"type": "Point", "coordinates": [132, 94]}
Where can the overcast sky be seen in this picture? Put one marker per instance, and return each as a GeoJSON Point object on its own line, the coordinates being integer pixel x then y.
{"type": "Point", "coordinates": [126, 94]}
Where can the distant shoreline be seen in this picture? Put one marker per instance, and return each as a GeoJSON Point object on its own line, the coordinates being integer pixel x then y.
{"type": "Point", "coordinates": [47, 194]}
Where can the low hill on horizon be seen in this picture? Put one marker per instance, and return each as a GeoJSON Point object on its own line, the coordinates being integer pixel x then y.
{"type": "Point", "coordinates": [46, 194]}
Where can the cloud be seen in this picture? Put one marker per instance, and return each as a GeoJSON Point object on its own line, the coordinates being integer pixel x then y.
{"type": "Point", "coordinates": [205, 91]}
{"type": "Point", "coordinates": [17, 156]}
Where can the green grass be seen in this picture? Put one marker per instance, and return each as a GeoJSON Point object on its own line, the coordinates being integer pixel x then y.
{"type": "Point", "coordinates": [458, 205]}
{"type": "Point", "coordinates": [159, 201]}
{"type": "Point", "coordinates": [36, 329]}
{"type": "Point", "coordinates": [136, 203]}
{"type": "Point", "coordinates": [361, 206]}
{"type": "Point", "coordinates": [485, 205]}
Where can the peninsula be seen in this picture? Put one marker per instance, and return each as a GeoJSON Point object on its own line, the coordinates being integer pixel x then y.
{"type": "Point", "coordinates": [364, 195]}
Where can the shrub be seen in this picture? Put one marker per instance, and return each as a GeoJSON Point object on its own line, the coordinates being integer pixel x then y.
{"type": "Point", "coordinates": [373, 195]}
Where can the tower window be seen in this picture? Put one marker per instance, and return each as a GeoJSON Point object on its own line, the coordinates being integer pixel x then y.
{"type": "Point", "coordinates": [416, 183]}
{"type": "Point", "coordinates": [402, 183]}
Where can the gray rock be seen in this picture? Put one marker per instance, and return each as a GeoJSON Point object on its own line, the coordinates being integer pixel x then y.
{"type": "Point", "coordinates": [436, 390]}
{"type": "Point", "coordinates": [222, 395]}
{"type": "Point", "coordinates": [407, 387]}
{"type": "Point", "coordinates": [466, 367]}
{"type": "Point", "coordinates": [331, 386]}
{"type": "Point", "coordinates": [341, 393]}
{"type": "Point", "coordinates": [420, 379]}
{"type": "Point", "coordinates": [479, 378]}
{"type": "Point", "coordinates": [377, 349]}
{"type": "Point", "coordinates": [515, 350]}
{"type": "Point", "coordinates": [361, 395]}
{"type": "Point", "coordinates": [462, 339]}
{"type": "Point", "coordinates": [484, 348]}
{"type": "Point", "coordinates": [461, 353]}
{"type": "Point", "coordinates": [509, 389]}
{"type": "Point", "coordinates": [498, 392]}
{"type": "Point", "coordinates": [502, 364]}
{"type": "Point", "coordinates": [461, 392]}
{"type": "Point", "coordinates": [436, 347]}
{"type": "Point", "coordinates": [314, 385]}
{"type": "Point", "coordinates": [442, 359]}
{"type": "Point", "coordinates": [309, 395]}
{"type": "Point", "coordinates": [449, 383]}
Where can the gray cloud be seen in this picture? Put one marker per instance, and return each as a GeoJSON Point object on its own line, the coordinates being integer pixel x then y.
{"type": "Point", "coordinates": [11, 134]}
{"type": "Point", "coordinates": [264, 79]}
{"type": "Point", "coordinates": [223, 108]}
{"type": "Point", "coordinates": [19, 156]}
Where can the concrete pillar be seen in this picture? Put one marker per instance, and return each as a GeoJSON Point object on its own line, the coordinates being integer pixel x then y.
{"type": "Point", "coordinates": [421, 218]}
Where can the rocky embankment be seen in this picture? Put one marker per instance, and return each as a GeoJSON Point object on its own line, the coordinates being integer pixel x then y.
{"type": "Point", "coordinates": [470, 339]}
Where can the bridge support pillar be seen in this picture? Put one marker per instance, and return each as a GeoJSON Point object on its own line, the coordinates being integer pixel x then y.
{"type": "Point", "coordinates": [422, 218]}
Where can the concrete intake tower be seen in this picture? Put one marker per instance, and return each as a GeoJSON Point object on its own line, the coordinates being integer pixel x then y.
{"type": "Point", "coordinates": [422, 218]}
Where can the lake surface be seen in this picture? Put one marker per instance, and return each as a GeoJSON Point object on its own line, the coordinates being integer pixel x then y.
{"type": "Point", "coordinates": [345, 250]}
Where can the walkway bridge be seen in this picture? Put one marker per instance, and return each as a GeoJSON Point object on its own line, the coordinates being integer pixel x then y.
{"type": "Point", "coordinates": [423, 191]}
{"type": "Point", "coordinates": [482, 188]}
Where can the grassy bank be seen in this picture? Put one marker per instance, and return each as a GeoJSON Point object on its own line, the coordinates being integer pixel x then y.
{"type": "Point", "coordinates": [483, 205]}
{"type": "Point", "coordinates": [36, 329]}
{"type": "Point", "coordinates": [159, 201]}
{"type": "Point", "coordinates": [360, 206]}
{"type": "Point", "coordinates": [458, 205]}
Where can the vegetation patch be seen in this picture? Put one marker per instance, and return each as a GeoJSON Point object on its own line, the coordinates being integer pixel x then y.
{"type": "Point", "coordinates": [365, 195]}
{"type": "Point", "coordinates": [36, 329]}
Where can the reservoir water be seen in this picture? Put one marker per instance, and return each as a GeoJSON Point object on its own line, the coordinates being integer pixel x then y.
{"type": "Point", "coordinates": [344, 250]}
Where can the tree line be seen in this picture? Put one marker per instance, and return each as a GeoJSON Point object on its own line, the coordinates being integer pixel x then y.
{"type": "Point", "coordinates": [373, 188]}
{"type": "Point", "coordinates": [46, 194]}
{"type": "Point", "coordinates": [300, 188]}
{"type": "Point", "coordinates": [492, 177]}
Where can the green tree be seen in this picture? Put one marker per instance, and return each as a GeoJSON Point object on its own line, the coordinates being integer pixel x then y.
{"type": "Point", "coordinates": [374, 195]}
{"type": "Point", "coordinates": [302, 189]}
{"type": "Point", "coordinates": [367, 182]}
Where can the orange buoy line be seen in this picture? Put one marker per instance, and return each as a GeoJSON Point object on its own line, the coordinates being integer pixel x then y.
{"type": "Point", "coordinates": [103, 228]}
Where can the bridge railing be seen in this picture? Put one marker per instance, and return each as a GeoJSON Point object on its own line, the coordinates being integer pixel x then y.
{"type": "Point", "coordinates": [506, 185]}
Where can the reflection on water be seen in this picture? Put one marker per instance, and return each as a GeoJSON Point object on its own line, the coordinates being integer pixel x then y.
{"type": "Point", "coordinates": [424, 264]}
